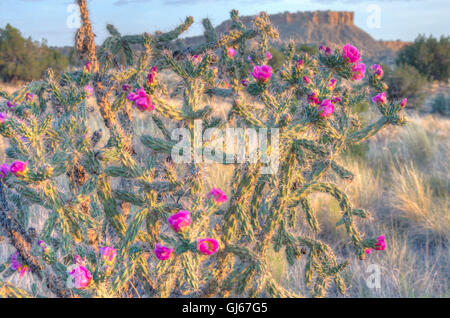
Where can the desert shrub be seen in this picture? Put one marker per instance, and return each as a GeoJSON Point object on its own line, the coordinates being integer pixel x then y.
{"type": "Point", "coordinates": [25, 60]}
{"type": "Point", "coordinates": [276, 62]}
{"type": "Point", "coordinates": [124, 223]}
{"type": "Point", "coordinates": [441, 105]}
{"type": "Point", "coordinates": [406, 81]}
{"type": "Point", "coordinates": [431, 57]}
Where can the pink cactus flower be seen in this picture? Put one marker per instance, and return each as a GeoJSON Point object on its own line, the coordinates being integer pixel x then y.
{"type": "Point", "coordinates": [196, 59]}
{"type": "Point", "coordinates": [108, 254]}
{"type": "Point", "coordinates": [231, 52]}
{"type": "Point", "coordinates": [380, 98]}
{"type": "Point", "coordinates": [358, 71]}
{"type": "Point", "coordinates": [378, 70]}
{"type": "Point", "coordinates": [19, 168]}
{"type": "Point", "coordinates": [368, 250]}
{"type": "Point", "coordinates": [262, 73]}
{"type": "Point", "coordinates": [299, 64]}
{"type": "Point", "coordinates": [4, 170]}
{"type": "Point", "coordinates": [82, 277]}
{"type": "Point", "coordinates": [332, 84]}
{"type": "Point", "coordinates": [326, 108]}
{"type": "Point", "coordinates": [17, 266]}
{"type": "Point", "coordinates": [403, 103]}
{"type": "Point", "coordinates": [162, 252]}
{"type": "Point", "coordinates": [306, 79]}
{"type": "Point", "coordinates": [350, 54]}
{"type": "Point", "coordinates": [380, 245]}
{"type": "Point", "coordinates": [78, 260]}
{"type": "Point", "coordinates": [321, 48]}
{"type": "Point", "coordinates": [218, 195]}
{"type": "Point", "coordinates": [23, 270]}
{"type": "Point", "coordinates": [179, 220]}
{"type": "Point", "coordinates": [88, 66]}
{"type": "Point", "coordinates": [29, 97]}
{"type": "Point", "coordinates": [43, 246]}
{"type": "Point", "coordinates": [141, 100]}
{"type": "Point", "coordinates": [328, 51]}
{"type": "Point", "coordinates": [151, 77]}
{"type": "Point", "coordinates": [313, 99]}
{"type": "Point", "coordinates": [269, 56]}
{"type": "Point", "coordinates": [89, 90]}
{"type": "Point", "coordinates": [207, 246]}
{"type": "Point", "coordinates": [10, 104]}
{"type": "Point", "coordinates": [2, 118]}
{"type": "Point", "coordinates": [335, 100]}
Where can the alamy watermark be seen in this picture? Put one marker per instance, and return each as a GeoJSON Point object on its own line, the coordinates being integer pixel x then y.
{"type": "Point", "coordinates": [374, 279]}
{"type": "Point", "coordinates": [374, 18]}
{"type": "Point", "coordinates": [228, 145]}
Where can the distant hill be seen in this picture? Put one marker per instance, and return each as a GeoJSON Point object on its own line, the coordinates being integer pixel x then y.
{"type": "Point", "coordinates": [332, 28]}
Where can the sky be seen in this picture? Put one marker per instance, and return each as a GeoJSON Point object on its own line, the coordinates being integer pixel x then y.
{"type": "Point", "coordinates": [56, 20]}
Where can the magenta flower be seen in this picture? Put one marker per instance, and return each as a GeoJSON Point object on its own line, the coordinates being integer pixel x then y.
{"type": "Point", "coordinates": [403, 103]}
{"type": "Point", "coordinates": [332, 84]}
{"type": "Point", "coordinates": [380, 98]}
{"type": "Point", "coordinates": [207, 246]}
{"type": "Point", "coordinates": [326, 108]}
{"type": "Point", "coordinates": [321, 48]}
{"type": "Point", "coordinates": [378, 70]}
{"type": "Point", "coordinates": [335, 100]}
{"type": "Point", "coordinates": [350, 54]}
{"type": "Point", "coordinates": [306, 79]}
{"type": "Point", "coordinates": [4, 170]}
{"type": "Point", "coordinates": [88, 66]}
{"type": "Point", "coordinates": [269, 56]}
{"type": "Point", "coordinates": [11, 104]}
{"type": "Point", "coordinates": [380, 245]}
{"type": "Point", "coordinates": [43, 246]}
{"type": "Point", "coordinates": [218, 195]}
{"type": "Point", "coordinates": [126, 87]}
{"type": "Point", "coordinates": [82, 277]}
{"type": "Point", "coordinates": [328, 51]}
{"type": "Point", "coordinates": [231, 52]}
{"type": "Point", "coordinates": [2, 118]}
{"type": "Point", "coordinates": [262, 73]}
{"type": "Point", "coordinates": [179, 220]}
{"type": "Point", "coordinates": [17, 266]}
{"type": "Point", "coordinates": [89, 90]}
{"type": "Point", "coordinates": [19, 168]}
{"type": "Point", "coordinates": [151, 77]}
{"type": "Point", "coordinates": [108, 253]}
{"type": "Point", "coordinates": [358, 71]}
{"type": "Point", "coordinates": [312, 98]}
{"type": "Point", "coordinates": [162, 252]}
{"type": "Point", "coordinates": [299, 64]}
{"type": "Point", "coordinates": [141, 100]}
{"type": "Point", "coordinates": [29, 97]}
{"type": "Point", "coordinates": [244, 83]}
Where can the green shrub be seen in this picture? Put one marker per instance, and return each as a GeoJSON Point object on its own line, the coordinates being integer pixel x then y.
{"type": "Point", "coordinates": [441, 105]}
{"type": "Point", "coordinates": [24, 60]}
{"type": "Point", "coordinates": [406, 81]}
{"type": "Point", "coordinates": [429, 56]}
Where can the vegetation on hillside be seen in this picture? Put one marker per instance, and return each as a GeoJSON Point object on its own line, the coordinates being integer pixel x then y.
{"type": "Point", "coordinates": [430, 56]}
{"type": "Point", "coordinates": [24, 59]}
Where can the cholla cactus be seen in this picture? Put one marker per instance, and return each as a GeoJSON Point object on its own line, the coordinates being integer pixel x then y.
{"type": "Point", "coordinates": [120, 226]}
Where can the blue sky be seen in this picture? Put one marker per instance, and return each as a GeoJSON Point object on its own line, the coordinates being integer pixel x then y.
{"type": "Point", "coordinates": [398, 19]}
